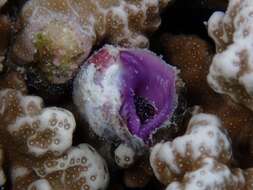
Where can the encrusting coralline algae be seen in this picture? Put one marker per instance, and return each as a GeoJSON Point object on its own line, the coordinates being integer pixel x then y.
{"type": "Point", "coordinates": [126, 94]}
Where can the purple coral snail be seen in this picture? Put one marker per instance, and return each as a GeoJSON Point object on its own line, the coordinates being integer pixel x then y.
{"type": "Point", "coordinates": [126, 94]}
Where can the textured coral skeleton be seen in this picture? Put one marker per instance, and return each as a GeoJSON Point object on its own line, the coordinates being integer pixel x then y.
{"type": "Point", "coordinates": [38, 142]}
{"type": "Point", "coordinates": [5, 33]}
{"type": "Point", "coordinates": [13, 80]}
{"type": "Point", "coordinates": [193, 57]}
{"type": "Point", "coordinates": [200, 159]}
{"type": "Point", "coordinates": [231, 69]}
{"type": "Point", "coordinates": [84, 23]}
{"type": "Point", "coordinates": [79, 168]}
{"type": "Point", "coordinates": [2, 175]}
{"type": "Point", "coordinates": [32, 129]}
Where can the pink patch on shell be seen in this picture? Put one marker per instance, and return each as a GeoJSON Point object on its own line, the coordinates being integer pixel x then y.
{"type": "Point", "coordinates": [101, 59]}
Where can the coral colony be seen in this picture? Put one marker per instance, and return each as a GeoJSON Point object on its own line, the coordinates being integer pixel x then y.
{"type": "Point", "coordinates": [123, 125]}
{"type": "Point", "coordinates": [40, 145]}
{"type": "Point", "coordinates": [202, 163]}
{"type": "Point", "coordinates": [57, 35]}
{"type": "Point", "coordinates": [232, 34]}
{"type": "Point", "coordinates": [193, 57]}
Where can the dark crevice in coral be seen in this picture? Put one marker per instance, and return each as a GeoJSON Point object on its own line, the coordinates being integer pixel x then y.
{"type": "Point", "coordinates": [52, 93]}
{"type": "Point", "coordinates": [13, 7]}
{"type": "Point", "coordinates": [184, 17]}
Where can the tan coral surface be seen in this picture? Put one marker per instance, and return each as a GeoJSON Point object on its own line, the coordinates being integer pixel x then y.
{"type": "Point", "coordinates": [200, 159]}
{"type": "Point", "coordinates": [79, 168]}
{"type": "Point", "coordinates": [232, 66]}
{"type": "Point", "coordinates": [59, 34]}
{"type": "Point", "coordinates": [193, 56]}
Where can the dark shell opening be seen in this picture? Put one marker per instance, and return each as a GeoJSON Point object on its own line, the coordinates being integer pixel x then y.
{"type": "Point", "coordinates": [144, 109]}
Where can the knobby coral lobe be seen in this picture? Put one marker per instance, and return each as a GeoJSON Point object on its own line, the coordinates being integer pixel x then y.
{"type": "Point", "coordinates": [57, 36]}
{"type": "Point", "coordinates": [193, 57]}
{"type": "Point", "coordinates": [5, 33]}
{"type": "Point", "coordinates": [2, 175]}
{"type": "Point", "coordinates": [80, 167]}
{"type": "Point", "coordinates": [38, 144]}
{"type": "Point", "coordinates": [230, 72]}
{"type": "Point", "coordinates": [200, 159]}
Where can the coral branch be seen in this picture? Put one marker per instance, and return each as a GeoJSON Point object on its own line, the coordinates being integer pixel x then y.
{"type": "Point", "coordinates": [2, 176]}
{"type": "Point", "coordinates": [79, 168]}
{"type": "Point", "coordinates": [32, 129]}
{"type": "Point", "coordinates": [5, 35]}
{"type": "Point", "coordinates": [193, 57]}
{"type": "Point", "coordinates": [200, 159]}
{"type": "Point", "coordinates": [231, 69]}
{"type": "Point", "coordinates": [57, 35]}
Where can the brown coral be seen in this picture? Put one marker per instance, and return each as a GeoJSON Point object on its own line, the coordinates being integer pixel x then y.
{"type": "Point", "coordinates": [38, 143]}
{"type": "Point", "coordinates": [5, 28]}
{"type": "Point", "coordinates": [203, 138]}
{"type": "Point", "coordinates": [30, 128]}
{"type": "Point", "coordinates": [139, 175]}
{"type": "Point", "coordinates": [200, 159]}
{"type": "Point", "coordinates": [5, 34]}
{"type": "Point", "coordinates": [231, 69]}
{"type": "Point", "coordinates": [210, 174]}
{"type": "Point", "coordinates": [79, 168]}
{"type": "Point", "coordinates": [193, 57]}
{"type": "Point", "coordinates": [222, 4]}
{"type": "Point", "coordinates": [2, 176]}
{"type": "Point", "coordinates": [13, 80]}
{"type": "Point", "coordinates": [237, 120]}
{"type": "Point", "coordinates": [58, 35]}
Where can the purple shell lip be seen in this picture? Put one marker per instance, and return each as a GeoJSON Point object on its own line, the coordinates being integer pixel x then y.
{"type": "Point", "coordinates": [147, 76]}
